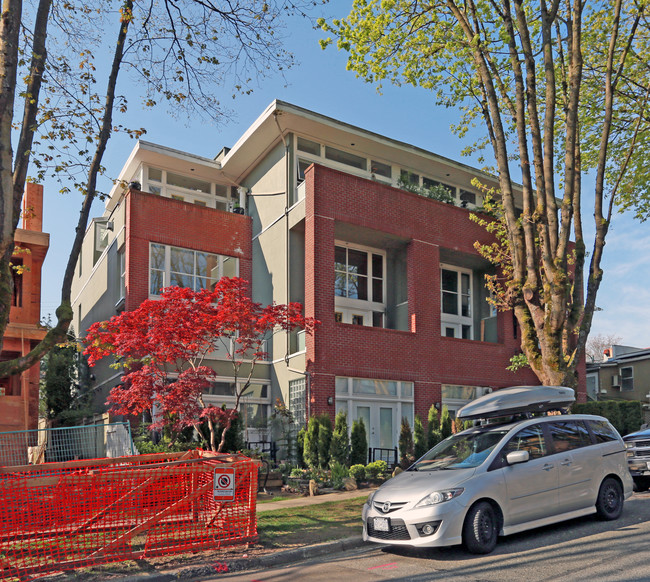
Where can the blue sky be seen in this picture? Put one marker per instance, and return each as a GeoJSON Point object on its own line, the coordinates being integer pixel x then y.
{"type": "Point", "coordinates": [321, 83]}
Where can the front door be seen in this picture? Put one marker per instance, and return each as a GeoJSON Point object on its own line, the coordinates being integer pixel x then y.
{"type": "Point", "coordinates": [379, 418]}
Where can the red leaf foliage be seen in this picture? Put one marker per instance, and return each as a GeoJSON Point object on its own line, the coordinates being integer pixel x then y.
{"type": "Point", "coordinates": [162, 345]}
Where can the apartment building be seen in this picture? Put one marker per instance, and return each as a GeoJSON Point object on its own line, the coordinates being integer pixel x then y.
{"type": "Point", "coordinates": [311, 209]}
{"type": "Point", "coordinates": [19, 393]}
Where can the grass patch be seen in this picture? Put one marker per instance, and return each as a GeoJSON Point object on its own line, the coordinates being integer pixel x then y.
{"type": "Point", "coordinates": [299, 526]}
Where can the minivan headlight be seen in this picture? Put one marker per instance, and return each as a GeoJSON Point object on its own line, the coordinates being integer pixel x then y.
{"type": "Point", "coordinates": [439, 497]}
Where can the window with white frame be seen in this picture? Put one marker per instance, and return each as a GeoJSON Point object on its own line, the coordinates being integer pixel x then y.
{"type": "Point", "coordinates": [121, 267]}
{"type": "Point", "coordinates": [254, 404]}
{"type": "Point", "coordinates": [627, 378]}
{"type": "Point", "coordinates": [186, 268]}
{"type": "Point", "coordinates": [298, 401]}
{"type": "Point", "coordinates": [186, 188]}
{"type": "Point", "coordinates": [456, 302]}
{"type": "Point", "coordinates": [359, 285]}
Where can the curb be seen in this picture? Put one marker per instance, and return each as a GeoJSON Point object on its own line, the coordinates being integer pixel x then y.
{"type": "Point", "coordinates": [241, 564]}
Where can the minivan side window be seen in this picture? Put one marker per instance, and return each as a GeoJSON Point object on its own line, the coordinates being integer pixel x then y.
{"type": "Point", "coordinates": [603, 431]}
{"type": "Point", "coordinates": [529, 439]}
{"type": "Point", "coordinates": [568, 435]}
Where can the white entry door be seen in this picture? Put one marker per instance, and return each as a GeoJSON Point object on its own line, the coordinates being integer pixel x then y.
{"type": "Point", "coordinates": [379, 419]}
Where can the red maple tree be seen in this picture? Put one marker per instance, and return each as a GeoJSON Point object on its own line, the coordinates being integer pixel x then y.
{"type": "Point", "coordinates": [162, 346]}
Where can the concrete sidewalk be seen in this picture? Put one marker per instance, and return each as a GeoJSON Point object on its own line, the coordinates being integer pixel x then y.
{"type": "Point", "coordinates": [279, 558]}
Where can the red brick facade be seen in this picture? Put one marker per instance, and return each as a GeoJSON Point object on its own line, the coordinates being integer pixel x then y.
{"type": "Point", "coordinates": [19, 404]}
{"type": "Point", "coordinates": [150, 218]}
{"type": "Point", "coordinates": [420, 355]}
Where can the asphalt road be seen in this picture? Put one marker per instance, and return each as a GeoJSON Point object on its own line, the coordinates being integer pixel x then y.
{"type": "Point", "coordinates": [582, 549]}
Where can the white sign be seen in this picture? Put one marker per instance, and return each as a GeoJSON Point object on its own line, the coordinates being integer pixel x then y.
{"type": "Point", "coordinates": [224, 484]}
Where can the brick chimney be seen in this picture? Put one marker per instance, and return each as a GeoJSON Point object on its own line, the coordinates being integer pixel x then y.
{"type": "Point", "coordinates": [33, 207]}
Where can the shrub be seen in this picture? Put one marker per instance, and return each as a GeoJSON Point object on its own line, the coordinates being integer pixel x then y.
{"type": "Point", "coordinates": [300, 447]}
{"type": "Point", "coordinates": [310, 450]}
{"type": "Point", "coordinates": [324, 439]}
{"type": "Point", "coordinates": [419, 438]}
{"type": "Point", "coordinates": [339, 446]}
{"type": "Point", "coordinates": [339, 473]}
{"type": "Point", "coordinates": [376, 469]}
{"type": "Point", "coordinates": [359, 443]}
{"type": "Point", "coordinates": [358, 472]}
{"type": "Point", "coordinates": [405, 444]}
{"type": "Point", "coordinates": [433, 427]}
{"type": "Point", "coordinates": [445, 423]}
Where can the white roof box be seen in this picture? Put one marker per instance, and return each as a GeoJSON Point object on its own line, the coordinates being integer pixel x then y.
{"type": "Point", "coordinates": [518, 399]}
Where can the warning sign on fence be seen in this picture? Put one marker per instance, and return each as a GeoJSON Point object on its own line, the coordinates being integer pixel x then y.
{"type": "Point", "coordinates": [224, 484]}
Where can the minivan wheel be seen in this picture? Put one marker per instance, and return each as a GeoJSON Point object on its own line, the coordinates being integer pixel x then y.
{"type": "Point", "coordinates": [480, 529]}
{"type": "Point", "coordinates": [609, 504]}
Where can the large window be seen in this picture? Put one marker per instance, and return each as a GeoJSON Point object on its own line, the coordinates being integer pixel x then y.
{"type": "Point", "coordinates": [359, 285]}
{"type": "Point", "coordinates": [456, 301]}
{"type": "Point", "coordinates": [186, 268]}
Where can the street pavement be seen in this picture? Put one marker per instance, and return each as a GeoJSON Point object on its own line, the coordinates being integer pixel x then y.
{"type": "Point", "coordinates": [577, 550]}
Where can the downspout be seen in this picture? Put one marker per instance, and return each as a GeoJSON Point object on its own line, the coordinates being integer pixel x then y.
{"type": "Point", "coordinates": [287, 178]}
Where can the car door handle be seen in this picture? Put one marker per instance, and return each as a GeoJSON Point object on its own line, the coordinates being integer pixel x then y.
{"type": "Point", "coordinates": [566, 463]}
{"type": "Point", "coordinates": [548, 466]}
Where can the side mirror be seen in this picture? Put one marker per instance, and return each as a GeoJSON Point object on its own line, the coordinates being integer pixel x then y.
{"type": "Point", "coordinates": [516, 457]}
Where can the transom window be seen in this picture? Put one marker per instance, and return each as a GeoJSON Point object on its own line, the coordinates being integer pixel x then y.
{"type": "Point", "coordinates": [186, 268]}
{"type": "Point", "coordinates": [359, 285]}
{"type": "Point", "coordinates": [456, 302]}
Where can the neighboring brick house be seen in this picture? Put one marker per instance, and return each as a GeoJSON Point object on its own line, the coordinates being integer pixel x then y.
{"type": "Point", "coordinates": [19, 393]}
{"type": "Point", "coordinates": [392, 275]}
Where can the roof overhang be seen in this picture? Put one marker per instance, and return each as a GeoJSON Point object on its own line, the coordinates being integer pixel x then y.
{"type": "Point", "coordinates": [165, 158]}
{"type": "Point", "coordinates": [280, 119]}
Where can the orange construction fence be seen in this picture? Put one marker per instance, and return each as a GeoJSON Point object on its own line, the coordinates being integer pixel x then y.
{"type": "Point", "coordinates": [61, 516]}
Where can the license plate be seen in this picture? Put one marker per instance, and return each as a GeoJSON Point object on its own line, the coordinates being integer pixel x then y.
{"type": "Point", "coordinates": [648, 465]}
{"type": "Point", "coordinates": [381, 524]}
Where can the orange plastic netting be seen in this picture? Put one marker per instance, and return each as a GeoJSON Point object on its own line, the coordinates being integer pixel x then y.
{"type": "Point", "coordinates": [61, 516]}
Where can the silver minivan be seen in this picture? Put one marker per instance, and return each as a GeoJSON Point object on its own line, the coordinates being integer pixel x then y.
{"type": "Point", "coordinates": [510, 473]}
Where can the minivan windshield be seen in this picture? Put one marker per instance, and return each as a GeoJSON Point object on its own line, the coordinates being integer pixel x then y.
{"type": "Point", "coordinates": [460, 451]}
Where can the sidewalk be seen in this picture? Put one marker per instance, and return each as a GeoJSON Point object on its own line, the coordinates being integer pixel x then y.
{"type": "Point", "coordinates": [268, 560]}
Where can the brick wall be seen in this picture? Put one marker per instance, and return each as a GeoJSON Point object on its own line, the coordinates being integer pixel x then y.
{"type": "Point", "coordinates": [420, 355]}
{"type": "Point", "coordinates": [150, 218]}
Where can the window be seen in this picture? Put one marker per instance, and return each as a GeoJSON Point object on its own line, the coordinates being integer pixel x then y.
{"type": "Point", "coordinates": [432, 184]}
{"type": "Point", "coordinates": [101, 228]}
{"type": "Point", "coordinates": [456, 302]}
{"type": "Point", "coordinates": [467, 199]}
{"type": "Point", "coordinates": [186, 268]}
{"type": "Point", "coordinates": [187, 188]}
{"type": "Point", "coordinates": [359, 286]}
{"type": "Point", "coordinates": [529, 439]}
{"type": "Point", "coordinates": [121, 265]}
{"type": "Point", "coordinates": [345, 158]}
{"type": "Point", "coordinates": [409, 177]}
{"type": "Point", "coordinates": [627, 378]}
{"type": "Point", "coordinates": [308, 146]}
{"type": "Point", "coordinates": [569, 435]}
{"type": "Point", "coordinates": [17, 279]}
{"type": "Point", "coordinates": [602, 431]}
{"type": "Point", "coordinates": [380, 169]}
{"type": "Point", "coordinates": [298, 401]}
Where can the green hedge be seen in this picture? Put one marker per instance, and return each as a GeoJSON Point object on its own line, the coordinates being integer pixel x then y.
{"type": "Point", "coordinates": [625, 415]}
